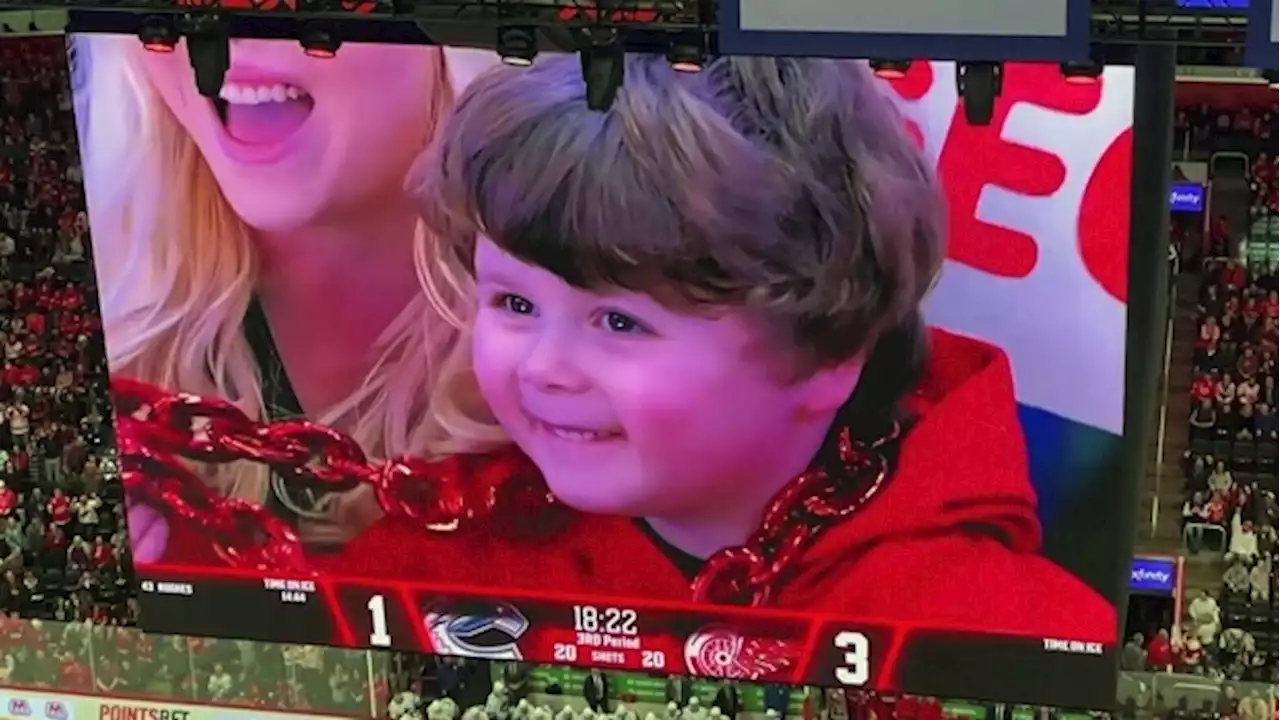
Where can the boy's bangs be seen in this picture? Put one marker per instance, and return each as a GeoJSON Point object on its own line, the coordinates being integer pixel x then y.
{"type": "Point", "coordinates": [675, 204]}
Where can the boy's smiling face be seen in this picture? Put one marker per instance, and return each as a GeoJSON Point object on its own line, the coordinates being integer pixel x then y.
{"type": "Point", "coordinates": [631, 408]}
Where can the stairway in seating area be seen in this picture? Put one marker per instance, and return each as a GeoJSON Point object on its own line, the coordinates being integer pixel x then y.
{"type": "Point", "coordinates": [1162, 479]}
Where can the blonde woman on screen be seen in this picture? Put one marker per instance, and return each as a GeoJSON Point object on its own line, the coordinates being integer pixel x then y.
{"type": "Point", "coordinates": [265, 256]}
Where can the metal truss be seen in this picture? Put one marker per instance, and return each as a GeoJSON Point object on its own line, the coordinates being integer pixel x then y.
{"type": "Point", "coordinates": [1114, 22]}
{"type": "Point", "coordinates": [642, 25]}
{"type": "Point", "coordinates": [607, 13]}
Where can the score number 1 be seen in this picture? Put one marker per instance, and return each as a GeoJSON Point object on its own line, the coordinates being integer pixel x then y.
{"type": "Point", "coordinates": [381, 635]}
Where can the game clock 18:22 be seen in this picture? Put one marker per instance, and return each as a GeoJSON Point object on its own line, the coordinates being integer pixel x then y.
{"type": "Point", "coordinates": [607, 620]}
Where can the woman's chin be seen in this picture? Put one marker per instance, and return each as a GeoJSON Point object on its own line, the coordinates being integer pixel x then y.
{"type": "Point", "coordinates": [273, 218]}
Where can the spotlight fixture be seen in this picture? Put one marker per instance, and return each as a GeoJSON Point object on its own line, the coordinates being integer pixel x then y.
{"type": "Point", "coordinates": [158, 34]}
{"type": "Point", "coordinates": [979, 84]}
{"type": "Point", "coordinates": [319, 40]}
{"type": "Point", "coordinates": [517, 45]}
{"type": "Point", "coordinates": [890, 69]}
{"type": "Point", "coordinates": [603, 70]}
{"type": "Point", "coordinates": [1081, 73]}
{"type": "Point", "coordinates": [686, 57]}
{"type": "Point", "coordinates": [209, 50]}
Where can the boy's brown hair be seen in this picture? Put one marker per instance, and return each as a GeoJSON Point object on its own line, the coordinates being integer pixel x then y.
{"type": "Point", "coordinates": [786, 186]}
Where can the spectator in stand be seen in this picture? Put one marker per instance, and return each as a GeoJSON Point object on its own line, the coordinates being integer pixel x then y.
{"type": "Point", "coordinates": [1205, 618]}
{"type": "Point", "coordinates": [1133, 657]}
{"type": "Point", "coordinates": [1160, 651]}
{"type": "Point", "coordinates": [1244, 543]}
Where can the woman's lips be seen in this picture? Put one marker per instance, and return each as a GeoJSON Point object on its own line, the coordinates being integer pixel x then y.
{"type": "Point", "coordinates": [264, 113]}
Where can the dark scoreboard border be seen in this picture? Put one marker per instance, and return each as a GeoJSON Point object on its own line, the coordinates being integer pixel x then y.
{"type": "Point", "coordinates": [923, 46]}
{"type": "Point", "coordinates": [1260, 49]}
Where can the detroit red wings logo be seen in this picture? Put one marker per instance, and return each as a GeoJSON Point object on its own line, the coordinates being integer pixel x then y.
{"type": "Point", "coordinates": [718, 651]}
{"type": "Point", "coordinates": [1037, 206]}
{"type": "Point", "coordinates": [967, 168]}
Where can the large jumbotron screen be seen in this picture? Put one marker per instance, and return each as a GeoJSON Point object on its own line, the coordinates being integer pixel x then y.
{"type": "Point", "coordinates": [776, 370]}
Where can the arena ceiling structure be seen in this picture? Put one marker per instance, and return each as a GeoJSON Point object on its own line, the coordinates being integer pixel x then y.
{"type": "Point", "coordinates": [1082, 35]}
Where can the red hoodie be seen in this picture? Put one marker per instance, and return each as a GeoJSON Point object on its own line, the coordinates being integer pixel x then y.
{"type": "Point", "coordinates": [958, 515]}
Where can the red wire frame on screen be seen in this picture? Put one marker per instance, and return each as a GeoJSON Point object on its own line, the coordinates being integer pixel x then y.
{"type": "Point", "coordinates": [727, 634]}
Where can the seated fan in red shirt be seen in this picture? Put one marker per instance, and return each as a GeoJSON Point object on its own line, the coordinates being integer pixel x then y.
{"type": "Point", "coordinates": [8, 500]}
{"type": "Point", "coordinates": [687, 346]}
{"type": "Point", "coordinates": [60, 508]}
{"type": "Point", "coordinates": [1203, 387]}
{"type": "Point", "coordinates": [103, 554]}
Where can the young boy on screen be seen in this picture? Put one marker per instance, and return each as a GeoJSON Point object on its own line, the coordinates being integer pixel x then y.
{"type": "Point", "coordinates": [703, 304]}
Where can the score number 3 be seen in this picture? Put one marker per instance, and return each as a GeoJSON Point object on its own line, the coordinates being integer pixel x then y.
{"type": "Point", "coordinates": [855, 658]}
{"type": "Point", "coordinates": [381, 636]}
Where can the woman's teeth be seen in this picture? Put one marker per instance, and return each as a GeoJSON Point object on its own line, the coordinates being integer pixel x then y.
{"type": "Point", "coordinates": [236, 94]}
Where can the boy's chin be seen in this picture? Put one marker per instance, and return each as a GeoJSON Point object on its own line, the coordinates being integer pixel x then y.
{"type": "Point", "coordinates": [596, 499]}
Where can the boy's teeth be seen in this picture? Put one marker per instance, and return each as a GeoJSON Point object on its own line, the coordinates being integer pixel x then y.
{"type": "Point", "coordinates": [578, 435]}
{"type": "Point", "coordinates": [237, 94]}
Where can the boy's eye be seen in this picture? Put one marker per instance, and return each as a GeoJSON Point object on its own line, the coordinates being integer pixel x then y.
{"type": "Point", "coordinates": [620, 323]}
{"type": "Point", "coordinates": [515, 304]}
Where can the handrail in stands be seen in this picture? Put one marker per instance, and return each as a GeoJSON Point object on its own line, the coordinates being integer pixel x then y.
{"type": "Point", "coordinates": [1162, 424]}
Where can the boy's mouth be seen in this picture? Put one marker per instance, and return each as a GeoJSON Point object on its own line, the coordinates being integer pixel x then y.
{"type": "Point", "coordinates": [574, 433]}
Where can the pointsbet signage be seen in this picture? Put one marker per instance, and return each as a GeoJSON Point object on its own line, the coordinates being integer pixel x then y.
{"type": "Point", "coordinates": [20, 705]}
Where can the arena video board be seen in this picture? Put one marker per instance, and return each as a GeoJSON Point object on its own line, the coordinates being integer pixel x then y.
{"type": "Point", "coordinates": [646, 389]}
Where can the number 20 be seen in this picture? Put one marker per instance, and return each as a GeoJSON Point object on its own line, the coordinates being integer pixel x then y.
{"type": "Point", "coordinates": [855, 667]}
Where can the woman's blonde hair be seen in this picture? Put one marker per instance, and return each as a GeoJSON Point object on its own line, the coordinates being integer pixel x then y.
{"type": "Point", "coordinates": [177, 269]}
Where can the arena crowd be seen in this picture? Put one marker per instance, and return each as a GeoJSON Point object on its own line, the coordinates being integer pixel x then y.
{"type": "Point", "coordinates": [67, 602]}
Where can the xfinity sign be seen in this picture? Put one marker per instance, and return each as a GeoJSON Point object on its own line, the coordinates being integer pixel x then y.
{"type": "Point", "coordinates": [984, 30]}
{"type": "Point", "coordinates": [1186, 197]}
{"type": "Point", "coordinates": [1156, 576]}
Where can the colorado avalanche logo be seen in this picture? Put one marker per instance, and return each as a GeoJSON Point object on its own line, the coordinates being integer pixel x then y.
{"type": "Point", "coordinates": [718, 651]}
{"type": "Point", "coordinates": [478, 630]}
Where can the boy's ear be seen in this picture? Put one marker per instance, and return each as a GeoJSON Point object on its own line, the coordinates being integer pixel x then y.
{"type": "Point", "coordinates": [827, 389]}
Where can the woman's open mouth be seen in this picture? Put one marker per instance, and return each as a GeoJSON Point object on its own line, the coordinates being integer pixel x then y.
{"type": "Point", "coordinates": [264, 114]}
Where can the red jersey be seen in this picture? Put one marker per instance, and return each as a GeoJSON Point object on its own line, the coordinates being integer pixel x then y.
{"type": "Point", "coordinates": [70, 298]}
{"type": "Point", "coordinates": [103, 554]}
{"type": "Point", "coordinates": [1159, 653]}
{"type": "Point", "coordinates": [60, 510]}
{"type": "Point", "coordinates": [70, 324]}
{"type": "Point", "coordinates": [8, 501]}
{"type": "Point", "coordinates": [912, 554]}
{"type": "Point", "coordinates": [19, 375]}
{"type": "Point", "coordinates": [1202, 388]}
{"type": "Point", "coordinates": [74, 676]}
{"type": "Point", "coordinates": [36, 322]}
{"type": "Point", "coordinates": [930, 709]}
{"type": "Point", "coordinates": [1233, 276]}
